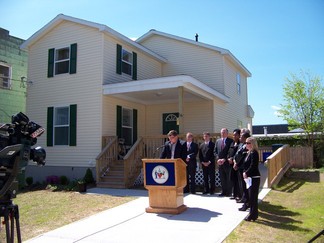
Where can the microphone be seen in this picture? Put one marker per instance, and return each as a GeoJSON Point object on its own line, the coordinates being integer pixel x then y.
{"type": "Point", "coordinates": [158, 148]}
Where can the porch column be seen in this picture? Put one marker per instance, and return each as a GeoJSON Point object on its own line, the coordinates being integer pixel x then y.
{"type": "Point", "coordinates": [180, 104]}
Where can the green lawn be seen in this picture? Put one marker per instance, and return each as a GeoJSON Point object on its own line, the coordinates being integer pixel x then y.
{"type": "Point", "coordinates": [292, 212]}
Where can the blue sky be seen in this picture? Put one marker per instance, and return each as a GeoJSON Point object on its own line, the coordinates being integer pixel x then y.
{"type": "Point", "coordinates": [271, 38]}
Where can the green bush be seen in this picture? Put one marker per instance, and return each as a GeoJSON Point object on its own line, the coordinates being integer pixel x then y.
{"type": "Point", "coordinates": [64, 180]}
{"type": "Point", "coordinates": [88, 177]}
{"type": "Point", "coordinates": [29, 181]}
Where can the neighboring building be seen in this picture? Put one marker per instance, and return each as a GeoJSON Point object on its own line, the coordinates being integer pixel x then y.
{"type": "Point", "coordinates": [90, 81]}
{"type": "Point", "coordinates": [270, 129]}
{"type": "Point", "coordinates": [13, 73]}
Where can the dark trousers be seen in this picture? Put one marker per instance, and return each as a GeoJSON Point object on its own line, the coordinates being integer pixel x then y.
{"type": "Point", "coordinates": [191, 177]}
{"type": "Point", "coordinates": [224, 174]}
{"type": "Point", "coordinates": [253, 193]}
{"type": "Point", "coordinates": [209, 177]}
{"type": "Point", "coordinates": [245, 192]}
{"type": "Point", "coordinates": [237, 193]}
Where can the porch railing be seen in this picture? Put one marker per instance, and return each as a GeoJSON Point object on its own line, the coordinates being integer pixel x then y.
{"type": "Point", "coordinates": [278, 163]}
{"type": "Point", "coordinates": [107, 156]}
{"type": "Point", "coordinates": [133, 162]}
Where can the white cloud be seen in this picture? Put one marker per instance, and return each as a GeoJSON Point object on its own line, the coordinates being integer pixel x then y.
{"type": "Point", "coordinates": [273, 107]}
{"type": "Point", "coordinates": [276, 110]}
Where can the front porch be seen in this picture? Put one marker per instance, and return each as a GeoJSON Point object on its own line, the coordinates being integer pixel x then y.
{"type": "Point", "coordinates": [116, 171]}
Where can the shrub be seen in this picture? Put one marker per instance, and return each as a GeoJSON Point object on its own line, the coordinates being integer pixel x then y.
{"type": "Point", "coordinates": [29, 181]}
{"type": "Point", "coordinates": [88, 177]}
{"type": "Point", "coordinates": [64, 180]}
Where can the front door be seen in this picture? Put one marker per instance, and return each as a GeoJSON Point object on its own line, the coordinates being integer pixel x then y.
{"type": "Point", "coordinates": [170, 122]}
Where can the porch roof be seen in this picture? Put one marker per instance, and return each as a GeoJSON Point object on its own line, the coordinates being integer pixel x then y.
{"type": "Point", "coordinates": [163, 90]}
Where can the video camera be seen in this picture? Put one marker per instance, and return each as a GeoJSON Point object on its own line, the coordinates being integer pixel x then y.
{"type": "Point", "coordinates": [16, 140]}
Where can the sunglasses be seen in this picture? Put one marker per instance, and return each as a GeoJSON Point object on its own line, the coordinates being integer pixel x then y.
{"type": "Point", "coordinates": [248, 143]}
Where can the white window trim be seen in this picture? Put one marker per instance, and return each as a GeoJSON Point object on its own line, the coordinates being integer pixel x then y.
{"type": "Point", "coordinates": [58, 126]}
{"type": "Point", "coordinates": [62, 60]}
{"type": "Point", "coordinates": [131, 121]}
{"type": "Point", "coordinates": [9, 76]}
{"type": "Point", "coordinates": [238, 83]}
{"type": "Point", "coordinates": [130, 63]}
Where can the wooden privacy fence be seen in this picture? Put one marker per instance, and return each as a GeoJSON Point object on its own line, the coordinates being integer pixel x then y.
{"type": "Point", "coordinates": [278, 163]}
{"type": "Point", "coordinates": [301, 157]}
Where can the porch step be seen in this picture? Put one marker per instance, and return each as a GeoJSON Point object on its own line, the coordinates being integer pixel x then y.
{"type": "Point", "coordinates": [114, 178]}
{"type": "Point", "coordinates": [111, 185]}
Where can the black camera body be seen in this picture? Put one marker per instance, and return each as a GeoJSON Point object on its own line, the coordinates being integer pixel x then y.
{"type": "Point", "coordinates": [16, 141]}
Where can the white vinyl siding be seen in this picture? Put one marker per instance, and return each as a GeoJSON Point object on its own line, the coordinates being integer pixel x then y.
{"type": "Point", "coordinates": [83, 88]}
{"type": "Point", "coordinates": [201, 63]}
{"type": "Point", "coordinates": [147, 67]}
{"type": "Point", "coordinates": [109, 115]}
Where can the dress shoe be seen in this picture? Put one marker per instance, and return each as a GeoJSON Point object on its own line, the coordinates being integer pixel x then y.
{"type": "Point", "coordinates": [212, 193]}
{"type": "Point", "coordinates": [240, 201]}
{"type": "Point", "coordinates": [249, 218]}
{"type": "Point", "coordinates": [205, 193]}
{"type": "Point", "coordinates": [232, 198]}
{"type": "Point", "coordinates": [222, 195]}
{"type": "Point", "coordinates": [193, 192]}
{"type": "Point", "coordinates": [244, 207]}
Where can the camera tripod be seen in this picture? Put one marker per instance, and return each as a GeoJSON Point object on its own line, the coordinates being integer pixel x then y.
{"type": "Point", "coordinates": [10, 212]}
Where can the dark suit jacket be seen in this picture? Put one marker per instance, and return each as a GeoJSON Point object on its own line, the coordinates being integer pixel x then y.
{"type": "Point", "coordinates": [240, 155]}
{"type": "Point", "coordinates": [251, 164]}
{"type": "Point", "coordinates": [180, 151]}
{"type": "Point", "coordinates": [222, 153]}
{"type": "Point", "coordinates": [206, 152]}
{"type": "Point", "coordinates": [193, 150]}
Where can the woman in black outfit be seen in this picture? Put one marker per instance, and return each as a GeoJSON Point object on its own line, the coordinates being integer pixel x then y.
{"type": "Point", "coordinates": [251, 169]}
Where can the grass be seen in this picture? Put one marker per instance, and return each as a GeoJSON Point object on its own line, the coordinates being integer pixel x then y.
{"type": "Point", "coordinates": [292, 212]}
{"type": "Point", "coordinates": [44, 210]}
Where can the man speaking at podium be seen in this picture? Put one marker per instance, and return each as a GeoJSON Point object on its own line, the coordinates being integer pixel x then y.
{"type": "Point", "coordinates": [174, 148]}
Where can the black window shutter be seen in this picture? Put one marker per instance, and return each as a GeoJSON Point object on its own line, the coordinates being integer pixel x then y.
{"type": "Point", "coordinates": [134, 66]}
{"type": "Point", "coordinates": [73, 58]}
{"type": "Point", "coordinates": [73, 125]}
{"type": "Point", "coordinates": [50, 65]}
{"type": "Point", "coordinates": [119, 121]}
{"type": "Point", "coordinates": [119, 59]}
{"type": "Point", "coordinates": [50, 115]}
{"type": "Point", "coordinates": [134, 125]}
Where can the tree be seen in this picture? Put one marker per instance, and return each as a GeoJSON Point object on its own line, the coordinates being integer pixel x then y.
{"type": "Point", "coordinates": [304, 104]}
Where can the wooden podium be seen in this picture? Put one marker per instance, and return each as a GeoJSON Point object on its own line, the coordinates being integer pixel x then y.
{"type": "Point", "coordinates": [165, 180]}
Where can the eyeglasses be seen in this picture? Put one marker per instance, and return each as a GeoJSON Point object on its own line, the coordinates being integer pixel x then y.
{"type": "Point", "coordinates": [247, 143]}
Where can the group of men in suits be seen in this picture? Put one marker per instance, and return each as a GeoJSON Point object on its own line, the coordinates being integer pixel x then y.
{"type": "Point", "coordinates": [208, 153]}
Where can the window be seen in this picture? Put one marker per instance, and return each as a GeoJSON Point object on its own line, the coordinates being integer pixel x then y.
{"type": "Point", "coordinates": [127, 125]}
{"type": "Point", "coordinates": [238, 83]}
{"type": "Point", "coordinates": [62, 60]}
{"type": "Point", "coordinates": [5, 76]}
{"type": "Point", "coordinates": [61, 126]}
{"type": "Point", "coordinates": [127, 60]}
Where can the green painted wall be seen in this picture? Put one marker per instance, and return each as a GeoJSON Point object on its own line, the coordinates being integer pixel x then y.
{"type": "Point", "coordinates": [12, 100]}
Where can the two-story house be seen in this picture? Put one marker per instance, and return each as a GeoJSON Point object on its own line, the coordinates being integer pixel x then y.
{"type": "Point", "coordinates": [95, 89]}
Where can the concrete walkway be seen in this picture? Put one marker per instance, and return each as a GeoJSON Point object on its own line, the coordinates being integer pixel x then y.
{"type": "Point", "coordinates": [207, 219]}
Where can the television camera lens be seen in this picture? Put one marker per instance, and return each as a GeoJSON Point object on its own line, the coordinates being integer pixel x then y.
{"type": "Point", "coordinates": [38, 155]}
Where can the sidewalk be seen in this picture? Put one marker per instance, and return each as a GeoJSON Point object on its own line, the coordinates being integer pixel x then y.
{"type": "Point", "coordinates": [207, 219]}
